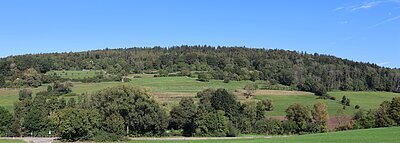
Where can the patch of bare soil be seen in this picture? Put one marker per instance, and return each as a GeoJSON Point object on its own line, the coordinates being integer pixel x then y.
{"type": "Point", "coordinates": [275, 92]}
{"type": "Point", "coordinates": [172, 95]}
{"type": "Point", "coordinates": [280, 92]}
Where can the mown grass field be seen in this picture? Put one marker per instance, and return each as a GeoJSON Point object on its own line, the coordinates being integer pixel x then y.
{"type": "Point", "coordinates": [11, 141]}
{"type": "Point", "coordinates": [380, 135]}
{"type": "Point", "coordinates": [185, 84]}
{"type": "Point", "coordinates": [169, 90]}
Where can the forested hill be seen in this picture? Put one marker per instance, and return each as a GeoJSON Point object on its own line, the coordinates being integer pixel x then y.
{"type": "Point", "coordinates": [300, 70]}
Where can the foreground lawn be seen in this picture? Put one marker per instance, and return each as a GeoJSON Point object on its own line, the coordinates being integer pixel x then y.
{"type": "Point", "coordinates": [381, 135]}
{"type": "Point", "coordinates": [11, 141]}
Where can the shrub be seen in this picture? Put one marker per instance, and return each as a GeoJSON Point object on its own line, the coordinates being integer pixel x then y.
{"type": "Point", "coordinates": [232, 131]}
{"type": "Point", "coordinates": [25, 94]}
{"type": "Point", "coordinates": [125, 79]}
{"type": "Point", "coordinates": [203, 77]}
{"type": "Point", "coordinates": [226, 80]}
{"type": "Point", "coordinates": [345, 101]}
{"type": "Point", "coordinates": [103, 136]}
{"type": "Point", "coordinates": [267, 126]}
{"type": "Point", "coordinates": [326, 96]}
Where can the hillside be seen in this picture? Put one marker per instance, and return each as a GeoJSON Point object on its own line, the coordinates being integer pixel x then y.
{"type": "Point", "coordinates": [302, 71]}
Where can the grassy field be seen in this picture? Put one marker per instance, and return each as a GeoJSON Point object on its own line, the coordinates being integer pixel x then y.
{"type": "Point", "coordinates": [11, 141]}
{"type": "Point", "coordinates": [366, 100]}
{"type": "Point", "coordinates": [381, 135]}
{"type": "Point", "coordinates": [76, 74]}
{"type": "Point", "coordinates": [185, 84]}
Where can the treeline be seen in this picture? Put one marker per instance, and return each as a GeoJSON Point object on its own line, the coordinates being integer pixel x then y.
{"type": "Point", "coordinates": [113, 113]}
{"type": "Point", "coordinates": [302, 71]}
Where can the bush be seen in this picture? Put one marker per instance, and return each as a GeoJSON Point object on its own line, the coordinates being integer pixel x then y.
{"type": "Point", "coordinates": [25, 94]}
{"type": "Point", "coordinates": [125, 79]}
{"type": "Point", "coordinates": [103, 136]}
{"type": "Point", "coordinates": [267, 126]}
{"type": "Point", "coordinates": [345, 101]}
{"type": "Point", "coordinates": [326, 96]}
{"type": "Point", "coordinates": [232, 131]}
{"type": "Point", "coordinates": [267, 104]}
{"type": "Point", "coordinates": [203, 77]}
{"type": "Point", "coordinates": [70, 94]}
{"type": "Point", "coordinates": [226, 80]}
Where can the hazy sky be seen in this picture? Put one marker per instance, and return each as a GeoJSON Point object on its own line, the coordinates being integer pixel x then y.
{"type": "Point", "coordinates": [359, 30]}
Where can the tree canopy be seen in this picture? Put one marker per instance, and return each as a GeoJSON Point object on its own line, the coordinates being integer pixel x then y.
{"type": "Point", "coordinates": [310, 72]}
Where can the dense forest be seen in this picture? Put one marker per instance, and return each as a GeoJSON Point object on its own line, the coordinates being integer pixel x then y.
{"type": "Point", "coordinates": [300, 70]}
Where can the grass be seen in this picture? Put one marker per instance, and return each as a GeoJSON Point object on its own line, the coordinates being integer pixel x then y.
{"type": "Point", "coordinates": [185, 84]}
{"type": "Point", "coordinates": [366, 100]}
{"type": "Point", "coordinates": [381, 135]}
{"type": "Point", "coordinates": [11, 141]}
{"type": "Point", "coordinates": [10, 95]}
{"type": "Point", "coordinates": [76, 74]}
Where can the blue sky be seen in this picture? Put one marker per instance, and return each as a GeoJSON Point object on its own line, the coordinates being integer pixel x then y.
{"type": "Point", "coordinates": [359, 30]}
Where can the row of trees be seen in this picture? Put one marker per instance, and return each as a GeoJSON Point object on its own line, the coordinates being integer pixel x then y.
{"type": "Point", "coordinates": [110, 114]}
{"type": "Point", "coordinates": [119, 111]}
{"type": "Point", "coordinates": [309, 72]}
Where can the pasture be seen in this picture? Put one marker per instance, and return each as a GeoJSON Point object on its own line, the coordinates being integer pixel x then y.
{"type": "Point", "coordinates": [11, 141]}
{"type": "Point", "coordinates": [365, 100]}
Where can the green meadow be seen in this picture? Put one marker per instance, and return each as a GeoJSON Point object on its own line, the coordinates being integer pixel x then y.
{"type": "Point", "coordinates": [365, 100]}
{"type": "Point", "coordinates": [11, 141]}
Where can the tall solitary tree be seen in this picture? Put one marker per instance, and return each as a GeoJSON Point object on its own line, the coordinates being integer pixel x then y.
{"type": "Point", "coordinates": [320, 116]}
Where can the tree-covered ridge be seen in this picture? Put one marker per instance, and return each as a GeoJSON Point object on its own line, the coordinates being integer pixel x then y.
{"type": "Point", "coordinates": [309, 72]}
